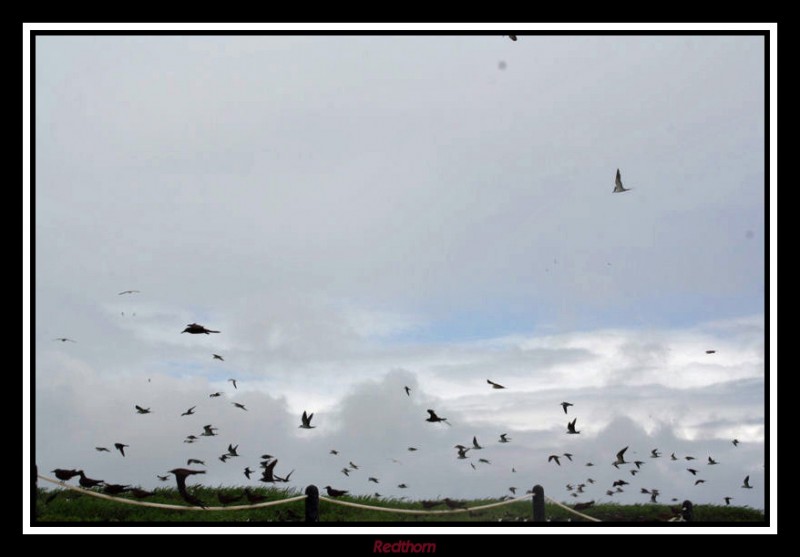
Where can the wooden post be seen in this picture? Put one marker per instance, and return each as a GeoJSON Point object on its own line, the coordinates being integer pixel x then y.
{"type": "Point", "coordinates": [538, 503]}
{"type": "Point", "coordinates": [312, 504]}
{"type": "Point", "coordinates": [687, 512]}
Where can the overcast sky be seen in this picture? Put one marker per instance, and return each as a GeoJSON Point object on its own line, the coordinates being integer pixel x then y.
{"type": "Point", "coordinates": [357, 214]}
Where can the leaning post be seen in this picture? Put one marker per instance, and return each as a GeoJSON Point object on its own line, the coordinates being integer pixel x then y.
{"type": "Point", "coordinates": [312, 504]}
{"type": "Point", "coordinates": [538, 503]}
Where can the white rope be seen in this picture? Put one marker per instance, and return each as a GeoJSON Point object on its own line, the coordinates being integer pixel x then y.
{"type": "Point", "coordinates": [420, 511]}
{"type": "Point", "coordinates": [573, 511]}
{"type": "Point", "coordinates": [174, 507]}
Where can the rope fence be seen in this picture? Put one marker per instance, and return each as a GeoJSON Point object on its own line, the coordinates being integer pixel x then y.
{"type": "Point", "coordinates": [422, 511]}
{"type": "Point", "coordinates": [167, 506]}
{"type": "Point", "coordinates": [573, 511]}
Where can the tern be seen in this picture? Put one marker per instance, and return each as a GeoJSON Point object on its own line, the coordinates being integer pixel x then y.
{"type": "Point", "coordinates": [189, 412]}
{"type": "Point", "coordinates": [571, 427]}
{"type": "Point", "coordinates": [618, 187]}
{"type": "Point", "coordinates": [306, 419]}
{"type": "Point", "coordinates": [434, 418]}
{"type": "Point", "coordinates": [195, 329]}
{"type": "Point", "coordinates": [566, 405]}
{"type": "Point", "coordinates": [495, 385]}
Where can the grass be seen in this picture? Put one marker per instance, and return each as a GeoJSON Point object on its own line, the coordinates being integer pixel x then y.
{"type": "Point", "coordinates": [72, 507]}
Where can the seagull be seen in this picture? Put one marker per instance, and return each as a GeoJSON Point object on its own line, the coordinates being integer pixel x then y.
{"type": "Point", "coordinates": [746, 484]}
{"type": "Point", "coordinates": [618, 187]}
{"type": "Point", "coordinates": [620, 458]}
{"type": "Point", "coordinates": [65, 339]}
{"type": "Point", "coordinates": [735, 442]}
{"type": "Point", "coordinates": [712, 461]}
{"type": "Point", "coordinates": [306, 418]}
{"type": "Point", "coordinates": [554, 457]}
{"type": "Point", "coordinates": [128, 292]}
{"type": "Point", "coordinates": [495, 385]}
{"type": "Point", "coordinates": [121, 448]}
{"type": "Point", "coordinates": [195, 329]}
{"type": "Point", "coordinates": [654, 453]}
{"type": "Point", "coordinates": [141, 410]}
{"type": "Point", "coordinates": [194, 461]}
{"type": "Point", "coordinates": [189, 412]}
{"type": "Point", "coordinates": [234, 383]}
{"type": "Point", "coordinates": [239, 405]}
{"type": "Point", "coordinates": [88, 482]}
{"type": "Point", "coordinates": [218, 357]}
{"type": "Point", "coordinates": [408, 391]}
{"type": "Point", "coordinates": [475, 443]}
{"type": "Point", "coordinates": [571, 427]}
{"type": "Point", "coordinates": [335, 492]}
{"type": "Point", "coordinates": [434, 418]}
{"type": "Point", "coordinates": [214, 395]}
{"type": "Point", "coordinates": [65, 475]}
{"type": "Point", "coordinates": [247, 472]}
{"type": "Point", "coordinates": [102, 450]}
{"type": "Point", "coordinates": [565, 405]}
{"type": "Point", "coordinates": [504, 439]}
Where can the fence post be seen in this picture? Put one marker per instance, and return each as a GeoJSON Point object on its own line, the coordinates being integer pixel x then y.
{"type": "Point", "coordinates": [687, 512]}
{"type": "Point", "coordinates": [312, 503]}
{"type": "Point", "coordinates": [538, 503]}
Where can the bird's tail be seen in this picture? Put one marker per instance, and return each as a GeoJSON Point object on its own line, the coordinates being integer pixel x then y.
{"type": "Point", "coordinates": [210, 331]}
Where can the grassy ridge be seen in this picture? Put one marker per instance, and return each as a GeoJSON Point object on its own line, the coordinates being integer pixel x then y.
{"type": "Point", "coordinates": [69, 506]}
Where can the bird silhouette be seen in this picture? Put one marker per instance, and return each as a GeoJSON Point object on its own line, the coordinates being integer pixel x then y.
{"type": "Point", "coordinates": [209, 431]}
{"type": "Point", "coordinates": [140, 493]}
{"type": "Point", "coordinates": [233, 451]}
{"type": "Point", "coordinates": [121, 448]}
{"type": "Point", "coordinates": [408, 391]}
{"type": "Point", "coordinates": [566, 405]}
{"type": "Point", "coordinates": [735, 442]}
{"type": "Point", "coordinates": [223, 457]}
{"type": "Point", "coordinates": [673, 457]}
{"type": "Point", "coordinates": [475, 443]}
{"type": "Point", "coordinates": [746, 484]}
{"type": "Point", "coordinates": [352, 465]}
{"type": "Point", "coordinates": [306, 419]}
{"type": "Point", "coordinates": [512, 37]}
{"type": "Point", "coordinates": [654, 453]}
{"type": "Point", "coordinates": [402, 486]}
{"type": "Point", "coordinates": [697, 482]}
{"type": "Point", "coordinates": [190, 439]}
{"type": "Point", "coordinates": [127, 292]}
{"type": "Point", "coordinates": [485, 461]}
{"type": "Point", "coordinates": [247, 472]}
{"type": "Point", "coordinates": [495, 385]}
{"type": "Point", "coordinates": [87, 482]}
{"type": "Point", "coordinates": [619, 483]}
{"type": "Point", "coordinates": [215, 395]}
{"type": "Point", "coordinates": [218, 357]}
{"type": "Point", "coordinates": [712, 461]}
{"type": "Point", "coordinates": [569, 456]}
{"type": "Point", "coordinates": [433, 418]}
{"type": "Point", "coordinates": [346, 471]}
{"type": "Point", "coordinates": [618, 187]}
{"type": "Point", "coordinates": [226, 499]}
{"type": "Point", "coordinates": [115, 489]}
{"type": "Point", "coordinates": [189, 412]}
{"type": "Point", "coordinates": [162, 478]}
{"type": "Point", "coordinates": [180, 478]}
{"type": "Point", "coordinates": [571, 427]}
{"type": "Point", "coordinates": [692, 471]}
{"type": "Point", "coordinates": [102, 450]}
{"type": "Point", "coordinates": [553, 457]}
{"type": "Point", "coordinates": [504, 438]}
{"type": "Point", "coordinates": [412, 449]}
{"type": "Point", "coordinates": [638, 463]}
{"type": "Point", "coordinates": [141, 410]}
{"type": "Point", "coordinates": [65, 475]}
{"type": "Point", "coordinates": [373, 480]}
{"type": "Point", "coordinates": [620, 458]}
{"type": "Point", "coordinates": [194, 461]}
{"type": "Point", "coordinates": [65, 339]}
{"type": "Point", "coordinates": [335, 492]}
{"type": "Point", "coordinates": [234, 383]}
{"type": "Point", "coordinates": [239, 405]}
{"type": "Point", "coordinates": [513, 490]}
{"type": "Point", "coordinates": [267, 475]}
{"type": "Point", "coordinates": [689, 457]}
{"type": "Point", "coordinates": [728, 500]}
{"type": "Point", "coordinates": [711, 351]}
{"type": "Point", "coordinates": [462, 452]}
{"type": "Point", "coordinates": [451, 504]}
{"type": "Point", "coordinates": [195, 329]}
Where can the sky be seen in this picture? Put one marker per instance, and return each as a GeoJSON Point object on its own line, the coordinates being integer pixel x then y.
{"type": "Point", "coordinates": [358, 214]}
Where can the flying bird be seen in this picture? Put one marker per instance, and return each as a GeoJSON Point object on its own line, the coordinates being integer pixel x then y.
{"type": "Point", "coordinates": [619, 483]}
{"type": "Point", "coordinates": [334, 452]}
{"type": "Point", "coordinates": [267, 474]}
{"type": "Point", "coordinates": [485, 461]}
{"type": "Point", "coordinates": [195, 329]}
{"type": "Point", "coordinates": [373, 480]}
{"type": "Point", "coordinates": [735, 442]}
{"type": "Point", "coordinates": [434, 418]}
{"type": "Point", "coordinates": [620, 458]}
{"type": "Point", "coordinates": [689, 457]}
{"type": "Point", "coordinates": [162, 478]}
{"type": "Point", "coordinates": [208, 430]}
{"type": "Point", "coordinates": [335, 492]}
{"type": "Point", "coordinates": [141, 410]}
{"type": "Point", "coordinates": [512, 37]}
{"type": "Point", "coordinates": [712, 461]}
{"type": "Point", "coordinates": [654, 453]}
{"type": "Point", "coordinates": [513, 490]}
{"type": "Point", "coordinates": [638, 463]}
{"type": "Point", "coordinates": [673, 457]}
{"type": "Point", "coordinates": [504, 438]}
{"type": "Point", "coordinates": [462, 452]}
{"type": "Point", "coordinates": [495, 385]}
{"type": "Point", "coordinates": [699, 482]}
{"type": "Point", "coordinates": [408, 391]}
{"type": "Point", "coordinates": [128, 292]}
{"type": "Point", "coordinates": [618, 187]}
{"type": "Point", "coordinates": [218, 357]}
{"type": "Point", "coordinates": [214, 395]}
{"type": "Point", "coordinates": [412, 449]}
{"type": "Point", "coordinates": [711, 351]}
{"type": "Point", "coordinates": [223, 457]}
{"type": "Point", "coordinates": [566, 405]}
{"type": "Point", "coordinates": [728, 500]}
{"type": "Point", "coordinates": [571, 427]}
{"type": "Point", "coordinates": [306, 419]}
{"type": "Point", "coordinates": [65, 339]}
{"type": "Point", "coordinates": [402, 486]}
{"type": "Point", "coordinates": [189, 412]}
{"type": "Point", "coordinates": [121, 448]}
{"type": "Point", "coordinates": [554, 457]}
{"type": "Point", "coordinates": [746, 484]}
{"type": "Point", "coordinates": [346, 471]}
{"type": "Point", "coordinates": [190, 439]}
{"type": "Point", "coordinates": [692, 471]}
{"type": "Point", "coordinates": [234, 383]}
{"type": "Point", "coordinates": [180, 478]}
{"type": "Point", "coordinates": [194, 461]}
{"type": "Point", "coordinates": [232, 451]}
{"type": "Point", "coordinates": [569, 456]}
{"type": "Point", "coordinates": [475, 443]}
{"type": "Point", "coordinates": [239, 405]}
{"type": "Point", "coordinates": [247, 472]}
{"type": "Point", "coordinates": [353, 466]}
{"type": "Point", "coordinates": [102, 450]}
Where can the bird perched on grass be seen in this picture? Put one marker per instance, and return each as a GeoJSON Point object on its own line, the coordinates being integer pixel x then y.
{"type": "Point", "coordinates": [433, 418]}
{"type": "Point", "coordinates": [195, 329]}
{"type": "Point", "coordinates": [306, 419]}
{"type": "Point", "coordinates": [226, 499]}
{"type": "Point", "coordinates": [618, 187]}
{"type": "Point", "coordinates": [451, 504]}
{"type": "Point", "coordinates": [140, 410]}
{"type": "Point", "coordinates": [335, 492]}
{"type": "Point", "coordinates": [121, 448]}
{"type": "Point", "coordinates": [140, 493]}
{"type": "Point", "coordinates": [65, 475]}
{"type": "Point", "coordinates": [571, 427]}
{"type": "Point", "coordinates": [254, 498]}
{"type": "Point", "coordinates": [495, 385]}
{"type": "Point", "coordinates": [115, 489]}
